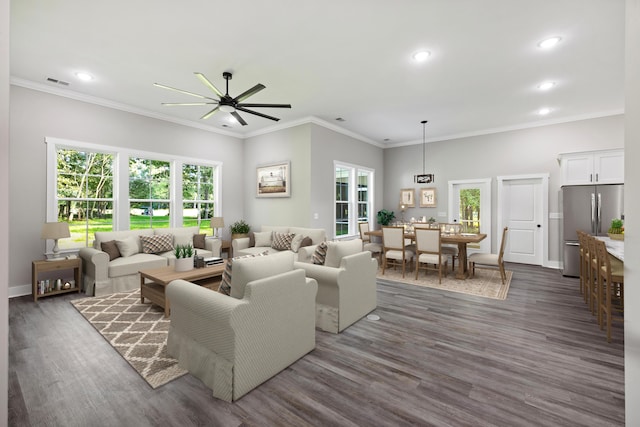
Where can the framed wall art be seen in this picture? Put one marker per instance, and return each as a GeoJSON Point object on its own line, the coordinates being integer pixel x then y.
{"type": "Point", "coordinates": [407, 197]}
{"type": "Point", "coordinates": [273, 180]}
{"type": "Point", "coordinates": [428, 197]}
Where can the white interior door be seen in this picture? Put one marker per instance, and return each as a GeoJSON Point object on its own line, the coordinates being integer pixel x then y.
{"type": "Point", "coordinates": [522, 206]}
{"type": "Point", "coordinates": [482, 218]}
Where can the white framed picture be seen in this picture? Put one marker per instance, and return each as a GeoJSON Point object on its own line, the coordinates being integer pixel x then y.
{"type": "Point", "coordinates": [273, 180]}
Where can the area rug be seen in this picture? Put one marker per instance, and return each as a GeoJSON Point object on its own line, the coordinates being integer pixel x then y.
{"type": "Point", "coordinates": [137, 331]}
{"type": "Point", "coordinates": [485, 283]}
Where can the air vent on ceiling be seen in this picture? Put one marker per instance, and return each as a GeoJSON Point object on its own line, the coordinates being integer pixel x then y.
{"type": "Point", "coordinates": [60, 82]}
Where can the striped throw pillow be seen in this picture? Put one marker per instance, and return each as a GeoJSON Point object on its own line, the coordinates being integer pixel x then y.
{"type": "Point", "coordinates": [320, 254]}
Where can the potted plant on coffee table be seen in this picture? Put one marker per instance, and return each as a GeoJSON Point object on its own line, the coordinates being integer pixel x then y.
{"type": "Point", "coordinates": [184, 257]}
{"type": "Point", "coordinates": [239, 229]}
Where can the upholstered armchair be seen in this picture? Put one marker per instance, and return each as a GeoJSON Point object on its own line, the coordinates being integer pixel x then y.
{"type": "Point", "coordinates": [235, 344]}
{"type": "Point", "coordinates": [346, 285]}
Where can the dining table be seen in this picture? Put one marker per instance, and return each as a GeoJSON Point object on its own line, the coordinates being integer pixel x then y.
{"type": "Point", "coordinates": [614, 247]}
{"type": "Point", "coordinates": [460, 239]}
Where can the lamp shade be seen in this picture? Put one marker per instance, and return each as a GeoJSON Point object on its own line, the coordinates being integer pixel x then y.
{"type": "Point", "coordinates": [55, 230]}
{"type": "Point", "coordinates": [217, 222]}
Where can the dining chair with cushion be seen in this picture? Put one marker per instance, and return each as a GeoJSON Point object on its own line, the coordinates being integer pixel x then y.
{"type": "Point", "coordinates": [490, 261]}
{"type": "Point", "coordinates": [448, 249]}
{"type": "Point", "coordinates": [367, 245]}
{"type": "Point", "coordinates": [593, 267]}
{"type": "Point", "coordinates": [610, 288]}
{"type": "Point", "coordinates": [429, 252]}
{"type": "Point", "coordinates": [394, 249]}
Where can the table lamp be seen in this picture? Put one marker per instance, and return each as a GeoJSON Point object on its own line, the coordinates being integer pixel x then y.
{"type": "Point", "coordinates": [55, 231]}
{"type": "Point", "coordinates": [216, 223]}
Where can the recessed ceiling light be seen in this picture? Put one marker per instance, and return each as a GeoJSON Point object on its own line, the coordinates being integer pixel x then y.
{"type": "Point", "coordinates": [544, 111]}
{"type": "Point", "coordinates": [84, 76]}
{"type": "Point", "coordinates": [546, 85]}
{"type": "Point", "coordinates": [421, 55]}
{"type": "Point", "coordinates": [550, 42]}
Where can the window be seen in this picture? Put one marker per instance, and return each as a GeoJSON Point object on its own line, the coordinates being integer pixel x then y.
{"type": "Point", "coordinates": [149, 193]}
{"type": "Point", "coordinates": [353, 198]}
{"type": "Point", "coordinates": [84, 194]}
{"type": "Point", "coordinates": [198, 196]}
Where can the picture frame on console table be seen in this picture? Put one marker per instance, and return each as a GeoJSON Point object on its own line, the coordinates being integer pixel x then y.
{"type": "Point", "coordinates": [273, 180]}
{"type": "Point", "coordinates": [428, 197]}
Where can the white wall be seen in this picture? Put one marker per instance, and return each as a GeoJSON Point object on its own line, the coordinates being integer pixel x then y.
{"type": "Point", "coordinates": [312, 150]}
{"type": "Point", "coordinates": [36, 115]}
{"type": "Point", "coordinates": [4, 210]}
{"type": "Point", "coordinates": [527, 151]}
{"type": "Point", "coordinates": [632, 214]}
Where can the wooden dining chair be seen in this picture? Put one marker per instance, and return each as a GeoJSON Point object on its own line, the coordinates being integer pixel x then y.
{"type": "Point", "coordinates": [610, 288]}
{"type": "Point", "coordinates": [394, 250]}
{"type": "Point", "coordinates": [584, 253]}
{"type": "Point", "coordinates": [429, 252]}
{"type": "Point", "coordinates": [593, 268]}
{"type": "Point", "coordinates": [490, 261]}
{"type": "Point", "coordinates": [367, 245]}
{"type": "Point", "coordinates": [447, 249]}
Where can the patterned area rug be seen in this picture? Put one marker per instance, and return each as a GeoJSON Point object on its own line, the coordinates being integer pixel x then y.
{"type": "Point", "coordinates": [485, 283]}
{"type": "Point", "coordinates": [137, 331]}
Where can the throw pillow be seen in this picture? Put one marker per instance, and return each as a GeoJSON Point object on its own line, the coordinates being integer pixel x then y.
{"type": "Point", "coordinates": [295, 242]}
{"type": "Point", "coordinates": [111, 249]}
{"type": "Point", "coordinates": [252, 239]}
{"type": "Point", "coordinates": [225, 283]}
{"type": "Point", "coordinates": [281, 241]}
{"type": "Point", "coordinates": [320, 254]}
{"type": "Point", "coordinates": [306, 242]}
{"type": "Point", "coordinates": [128, 246]}
{"type": "Point", "coordinates": [157, 243]}
{"type": "Point", "coordinates": [198, 241]}
{"type": "Point", "coordinates": [263, 238]}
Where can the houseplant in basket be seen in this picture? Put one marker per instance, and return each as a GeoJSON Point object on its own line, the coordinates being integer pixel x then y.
{"type": "Point", "coordinates": [239, 229]}
{"type": "Point", "coordinates": [184, 257]}
{"type": "Point", "coordinates": [616, 231]}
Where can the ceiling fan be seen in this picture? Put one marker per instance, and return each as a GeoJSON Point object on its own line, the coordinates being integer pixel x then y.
{"type": "Point", "coordinates": [226, 103]}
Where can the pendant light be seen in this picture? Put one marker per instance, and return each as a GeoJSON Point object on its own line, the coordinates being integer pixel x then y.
{"type": "Point", "coordinates": [424, 178]}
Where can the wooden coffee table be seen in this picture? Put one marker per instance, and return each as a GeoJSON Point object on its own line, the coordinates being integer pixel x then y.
{"type": "Point", "coordinates": [153, 282]}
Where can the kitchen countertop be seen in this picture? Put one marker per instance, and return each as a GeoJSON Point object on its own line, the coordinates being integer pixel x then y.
{"type": "Point", "coordinates": [614, 247]}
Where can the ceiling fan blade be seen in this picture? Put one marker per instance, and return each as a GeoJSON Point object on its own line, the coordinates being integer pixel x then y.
{"type": "Point", "coordinates": [208, 84]}
{"type": "Point", "coordinates": [238, 118]}
{"type": "Point", "coordinates": [257, 114]}
{"type": "Point", "coordinates": [183, 91]}
{"type": "Point", "coordinates": [244, 95]}
{"type": "Point", "coordinates": [173, 104]}
{"type": "Point", "coordinates": [265, 105]}
{"type": "Point", "coordinates": [210, 113]}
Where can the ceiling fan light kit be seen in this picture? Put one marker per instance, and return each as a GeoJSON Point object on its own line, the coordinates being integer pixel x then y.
{"type": "Point", "coordinates": [424, 178]}
{"type": "Point", "coordinates": [225, 103]}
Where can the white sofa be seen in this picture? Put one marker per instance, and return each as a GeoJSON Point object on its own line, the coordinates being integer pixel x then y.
{"type": "Point", "coordinates": [347, 288]}
{"type": "Point", "coordinates": [103, 276]}
{"type": "Point", "coordinates": [263, 241]}
{"type": "Point", "coordinates": [233, 344]}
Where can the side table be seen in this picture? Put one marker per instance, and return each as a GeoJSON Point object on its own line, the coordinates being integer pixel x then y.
{"type": "Point", "coordinates": [226, 246]}
{"type": "Point", "coordinates": [42, 266]}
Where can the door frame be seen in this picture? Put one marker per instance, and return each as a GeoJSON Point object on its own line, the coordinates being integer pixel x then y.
{"type": "Point", "coordinates": [485, 202]}
{"type": "Point", "coordinates": [543, 178]}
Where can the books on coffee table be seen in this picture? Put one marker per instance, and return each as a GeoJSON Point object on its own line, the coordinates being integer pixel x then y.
{"type": "Point", "coordinates": [213, 260]}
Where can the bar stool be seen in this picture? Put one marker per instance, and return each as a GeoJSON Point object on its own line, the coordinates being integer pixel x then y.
{"type": "Point", "coordinates": [611, 288]}
{"type": "Point", "coordinates": [593, 268]}
{"type": "Point", "coordinates": [584, 251]}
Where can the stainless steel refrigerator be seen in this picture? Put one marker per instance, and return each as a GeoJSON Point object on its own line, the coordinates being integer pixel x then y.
{"type": "Point", "coordinates": [589, 208]}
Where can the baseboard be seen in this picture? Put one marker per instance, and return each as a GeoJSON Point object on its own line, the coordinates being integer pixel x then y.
{"type": "Point", "coordinates": [19, 291]}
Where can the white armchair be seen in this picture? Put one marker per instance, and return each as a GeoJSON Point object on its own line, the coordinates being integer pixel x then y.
{"type": "Point", "coordinates": [346, 285]}
{"type": "Point", "coordinates": [235, 344]}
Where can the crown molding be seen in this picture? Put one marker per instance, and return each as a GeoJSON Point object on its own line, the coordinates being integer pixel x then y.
{"type": "Point", "coordinates": [66, 93]}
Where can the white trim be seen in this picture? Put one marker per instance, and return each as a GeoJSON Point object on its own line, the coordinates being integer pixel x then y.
{"type": "Point", "coordinates": [353, 197]}
{"type": "Point", "coordinates": [543, 178]}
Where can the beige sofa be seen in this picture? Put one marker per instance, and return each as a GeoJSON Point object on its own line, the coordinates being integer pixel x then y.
{"type": "Point", "coordinates": [103, 276]}
{"type": "Point", "coordinates": [346, 285]}
{"type": "Point", "coordinates": [234, 344]}
{"type": "Point", "coordinates": [263, 241]}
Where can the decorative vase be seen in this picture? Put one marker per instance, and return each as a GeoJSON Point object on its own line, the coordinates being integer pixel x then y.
{"type": "Point", "coordinates": [184, 264]}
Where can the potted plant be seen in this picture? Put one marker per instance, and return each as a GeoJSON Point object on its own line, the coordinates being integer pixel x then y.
{"type": "Point", "coordinates": [385, 217]}
{"type": "Point", "coordinates": [239, 229]}
{"type": "Point", "coordinates": [184, 257]}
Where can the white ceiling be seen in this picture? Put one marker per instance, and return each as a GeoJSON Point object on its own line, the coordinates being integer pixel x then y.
{"type": "Point", "coordinates": [334, 58]}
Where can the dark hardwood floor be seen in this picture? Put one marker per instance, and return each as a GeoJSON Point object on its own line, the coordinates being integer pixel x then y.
{"type": "Point", "coordinates": [434, 358]}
